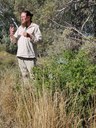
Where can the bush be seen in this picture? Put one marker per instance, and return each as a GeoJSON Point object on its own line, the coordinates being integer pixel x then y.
{"type": "Point", "coordinates": [72, 73]}
{"type": "Point", "coordinates": [9, 47]}
{"type": "Point", "coordinates": [89, 50]}
{"type": "Point", "coordinates": [69, 67]}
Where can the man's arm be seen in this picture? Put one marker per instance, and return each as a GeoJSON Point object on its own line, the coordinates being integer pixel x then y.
{"type": "Point", "coordinates": [12, 31]}
{"type": "Point", "coordinates": [37, 37]}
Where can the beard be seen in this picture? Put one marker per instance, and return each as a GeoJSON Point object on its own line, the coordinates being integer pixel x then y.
{"type": "Point", "coordinates": [24, 24]}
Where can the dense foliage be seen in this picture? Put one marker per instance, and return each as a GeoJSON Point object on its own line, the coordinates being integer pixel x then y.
{"type": "Point", "coordinates": [52, 16]}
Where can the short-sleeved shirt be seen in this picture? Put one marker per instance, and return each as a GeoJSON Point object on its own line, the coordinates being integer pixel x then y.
{"type": "Point", "coordinates": [27, 47]}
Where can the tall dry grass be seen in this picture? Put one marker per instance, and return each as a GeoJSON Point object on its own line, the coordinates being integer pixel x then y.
{"type": "Point", "coordinates": [30, 108]}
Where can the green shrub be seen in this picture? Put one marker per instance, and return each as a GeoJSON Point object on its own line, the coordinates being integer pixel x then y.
{"type": "Point", "coordinates": [73, 73]}
{"type": "Point", "coordinates": [9, 47]}
{"type": "Point", "coordinates": [68, 67]}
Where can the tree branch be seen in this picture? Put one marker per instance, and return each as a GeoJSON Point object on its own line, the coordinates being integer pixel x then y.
{"type": "Point", "coordinates": [85, 22]}
{"type": "Point", "coordinates": [70, 28]}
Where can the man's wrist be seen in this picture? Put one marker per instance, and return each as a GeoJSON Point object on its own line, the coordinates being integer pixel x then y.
{"type": "Point", "coordinates": [30, 36]}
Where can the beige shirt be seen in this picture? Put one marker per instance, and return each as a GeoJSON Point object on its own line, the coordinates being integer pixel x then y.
{"type": "Point", "coordinates": [27, 47]}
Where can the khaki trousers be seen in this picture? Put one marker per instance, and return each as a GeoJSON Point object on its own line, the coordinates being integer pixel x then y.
{"type": "Point", "coordinates": [26, 65]}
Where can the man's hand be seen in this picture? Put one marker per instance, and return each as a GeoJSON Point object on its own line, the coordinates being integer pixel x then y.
{"type": "Point", "coordinates": [25, 34]}
{"type": "Point", "coordinates": [11, 30]}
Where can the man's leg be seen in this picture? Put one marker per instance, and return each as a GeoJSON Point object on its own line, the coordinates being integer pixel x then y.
{"type": "Point", "coordinates": [30, 63]}
{"type": "Point", "coordinates": [23, 69]}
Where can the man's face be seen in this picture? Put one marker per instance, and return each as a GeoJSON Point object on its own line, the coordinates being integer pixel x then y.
{"type": "Point", "coordinates": [24, 19]}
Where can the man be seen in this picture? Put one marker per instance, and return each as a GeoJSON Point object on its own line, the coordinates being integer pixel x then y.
{"type": "Point", "coordinates": [27, 36]}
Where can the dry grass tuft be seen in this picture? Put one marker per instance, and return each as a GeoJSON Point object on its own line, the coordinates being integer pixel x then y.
{"type": "Point", "coordinates": [28, 108]}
